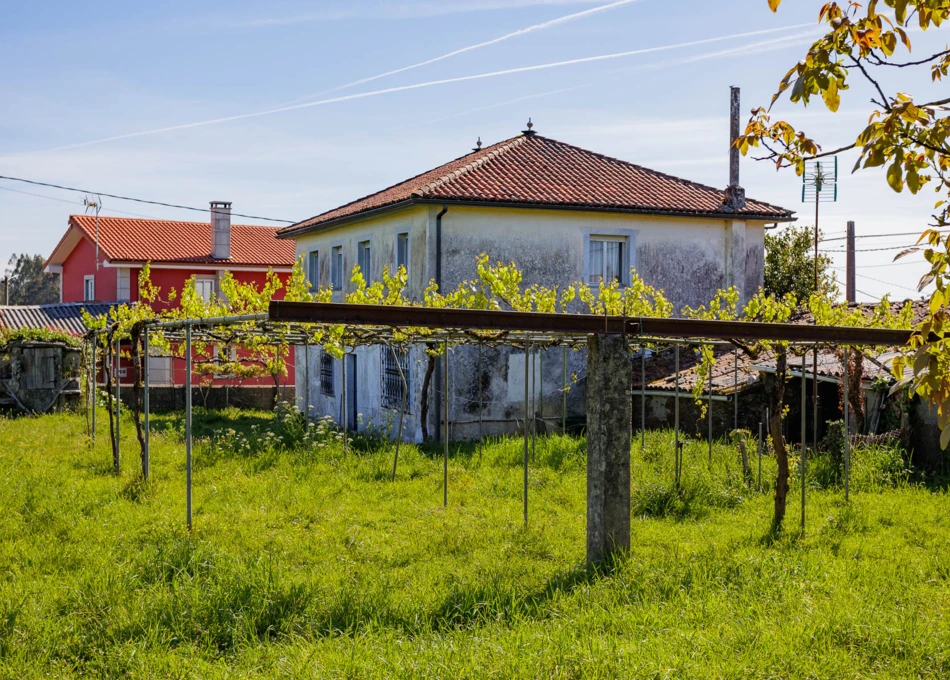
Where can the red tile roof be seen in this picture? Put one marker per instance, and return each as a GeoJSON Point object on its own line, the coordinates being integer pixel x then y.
{"type": "Point", "coordinates": [129, 239]}
{"type": "Point", "coordinates": [541, 172]}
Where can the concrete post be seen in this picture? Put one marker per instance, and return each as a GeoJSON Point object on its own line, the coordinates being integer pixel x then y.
{"type": "Point", "coordinates": [609, 429]}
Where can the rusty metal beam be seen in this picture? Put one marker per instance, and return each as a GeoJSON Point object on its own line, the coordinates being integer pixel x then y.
{"type": "Point", "coordinates": [428, 317]}
{"type": "Point", "coordinates": [792, 332]}
{"type": "Point", "coordinates": [431, 317]}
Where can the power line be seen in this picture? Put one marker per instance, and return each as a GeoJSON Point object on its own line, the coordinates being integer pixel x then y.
{"type": "Point", "coordinates": [869, 250]}
{"type": "Point", "coordinates": [63, 200]}
{"type": "Point", "coordinates": [904, 233]}
{"type": "Point", "coordinates": [887, 283]}
{"type": "Point", "coordinates": [138, 200]}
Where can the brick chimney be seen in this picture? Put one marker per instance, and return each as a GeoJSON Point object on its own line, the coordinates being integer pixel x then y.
{"type": "Point", "coordinates": [735, 194]}
{"type": "Point", "coordinates": [221, 230]}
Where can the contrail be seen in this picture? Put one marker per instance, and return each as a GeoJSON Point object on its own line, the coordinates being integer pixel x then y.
{"type": "Point", "coordinates": [494, 41]}
{"type": "Point", "coordinates": [416, 86]}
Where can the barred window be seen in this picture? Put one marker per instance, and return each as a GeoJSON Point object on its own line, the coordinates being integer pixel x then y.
{"type": "Point", "coordinates": [392, 381]}
{"type": "Point", "coordinates": [326, 374]}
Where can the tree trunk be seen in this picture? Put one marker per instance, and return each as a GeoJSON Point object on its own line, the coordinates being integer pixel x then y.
{"type": "Point", "coordinates": [776, 406]}
{"type": "Point", "coordinates": [424, 410]}
{"type": "Point", "coordinates": [107, 366]}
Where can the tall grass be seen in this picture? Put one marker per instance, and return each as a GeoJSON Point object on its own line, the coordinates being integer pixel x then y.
{"type": "Point", "coordinates": [306, 563]}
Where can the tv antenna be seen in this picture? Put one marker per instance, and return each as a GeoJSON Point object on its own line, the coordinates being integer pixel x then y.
{"type": "Point", "coordinates": [97, 206]}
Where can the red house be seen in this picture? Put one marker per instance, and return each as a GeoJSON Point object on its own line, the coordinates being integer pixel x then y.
{"type": "Point", "coordinates": [100, 258]}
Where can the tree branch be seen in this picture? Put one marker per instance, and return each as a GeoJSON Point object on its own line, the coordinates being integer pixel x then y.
{"type": "Point", "coordinates": [880, 62]}
{"type": "Point", "coordinates": [883, 103]}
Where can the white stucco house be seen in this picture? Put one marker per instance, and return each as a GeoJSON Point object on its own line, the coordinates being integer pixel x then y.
{"type": "Point", "coordinates": [562, 214]}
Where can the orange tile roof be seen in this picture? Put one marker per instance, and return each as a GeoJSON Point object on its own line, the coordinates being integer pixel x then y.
{"type": "Point", "coordinates": [129, 239]}
{"type": "Point", "coordinates": [538, 171]}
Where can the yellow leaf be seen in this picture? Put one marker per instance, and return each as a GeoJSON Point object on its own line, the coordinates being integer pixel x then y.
{"type": "Point", "coordinates": [895, 177]}
{"type": "Point", "coordinates": [773, 5]}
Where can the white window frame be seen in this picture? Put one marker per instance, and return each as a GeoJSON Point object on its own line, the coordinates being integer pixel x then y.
{"type": "Point", "coordinates": [367, 271]}
{"type": "Point", "coordinates": [625, 258]}
{"type": "Point", "coordinates": [159, 370]}
{"type": "Point", "coordinates": [89, 288]}
{"type": "Point", "coordinates": [337, 267]}
{"type": "Point", "coordinates": [123, 284]}
{"type": "Point", "coordinates": [399, 237]}
{"type": "Point", "coordinates": [313, 269]}
{"type": "Point", "coordinates": [203, 279]}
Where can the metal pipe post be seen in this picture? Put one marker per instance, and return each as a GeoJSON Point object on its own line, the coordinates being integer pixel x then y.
{"type": "Point", "coordinates": [188, 469]}
{"type": "Point", "coordinates": [118, 411]}
{"type": "Point", "coordinates": [847, 439]}
{"type": "Point", "coordinates": [402, 411]}
{"type": "Point", "coordinates": [343, 396]}
{"type": "Point", "coordinates": [735, 390]}
{"type": "Point", "coordinates": [534, 403]}
{"type": "Point", "coordinates": [564, 395]}
{"type": "Point", "coordinates": [643, 398]}
{"type": "Point", "coordinates": [306, 378]}
{"type": "Point", "coordinates": [445, 429]}
{"type": "Point", "coordinates": [709, 415]}
{"type": "Point", "coordinates": [527, 353]}
{"type": "Point", "coordinates": [481, 403]}
{"type": "Point", "coordinates": [804, 436]}
{"type": "Point", "coordinates": [676, 418]}
{"type": "Point", "coordinates": [758, 485]}
{"type": "Point", "coordinates": [146, 453]}
{"type": "Point", "coordinates": [95, 386]}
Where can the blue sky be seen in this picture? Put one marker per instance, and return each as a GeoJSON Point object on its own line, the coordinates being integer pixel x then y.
{"type": "Point", "coordinates": [76, 74]}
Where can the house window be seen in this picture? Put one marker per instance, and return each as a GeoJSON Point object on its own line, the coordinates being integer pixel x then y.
{"type": "Point", "coordinates": [89, 287]}
{"type": "Point", "coordinates": [336, 267]}
{"type": "Point", "coordinates": [392, 381]}
{"type": "Point", "coordinates": [313, 270]}
{"type": "Point", "coordinates": [326, 374]}
{"type": "Point", "coordinates": [402, 252]}
{"type": "Point", "coordinates": [364, 258]}
{"type": "Point", "coordinates": [159, 370]}
{"type": "Point", "coordinates": [124, 285]}
{"type": "Point", "coordinates": [605, 259]}
{"type": "Point", "coordinates": [205, 287]}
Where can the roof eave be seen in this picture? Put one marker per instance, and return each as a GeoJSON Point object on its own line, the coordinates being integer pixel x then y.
{"type": "Point", "coordinates": [632, 210]}
{"type": "Point", "coordinates": [294, 231]}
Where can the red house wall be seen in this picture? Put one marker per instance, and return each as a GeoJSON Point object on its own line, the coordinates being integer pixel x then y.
{"type": "Point", "coordinates": [82, 261]}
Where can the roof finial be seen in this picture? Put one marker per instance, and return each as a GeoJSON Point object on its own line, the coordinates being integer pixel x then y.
{"type": "Point", "coordinates": [529, 131]}
{"type": "Point", "coordinates": [478, 144]}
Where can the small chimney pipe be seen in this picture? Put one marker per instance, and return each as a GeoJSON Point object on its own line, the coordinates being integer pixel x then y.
{"type": "Point", "coordinates": [735, 194]}
{"type": "Point", "coordinates": [221, 230]}
{"type": "Point", "coordinates": [733, 136]}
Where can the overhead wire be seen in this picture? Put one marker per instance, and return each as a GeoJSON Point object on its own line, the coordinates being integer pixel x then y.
{"type": "Point", "coordinates": [137, 200]}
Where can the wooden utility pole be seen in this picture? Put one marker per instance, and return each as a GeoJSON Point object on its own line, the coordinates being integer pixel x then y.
{"type": "Point", "coordinates": [850, 266]}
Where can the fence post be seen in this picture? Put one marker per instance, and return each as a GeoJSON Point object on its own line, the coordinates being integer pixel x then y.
{"type": "Point", "coordinates": [188, 467]}
{"type": "Point", "coordinates": [609, 425]}
{"type": "Point", "coordinates": [735, 390]}
{"type": "Point", "coordinates": [306, 377]}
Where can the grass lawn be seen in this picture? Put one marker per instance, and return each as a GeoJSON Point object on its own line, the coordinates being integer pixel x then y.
{"type": "Point", "coordinates": [303, 564]}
